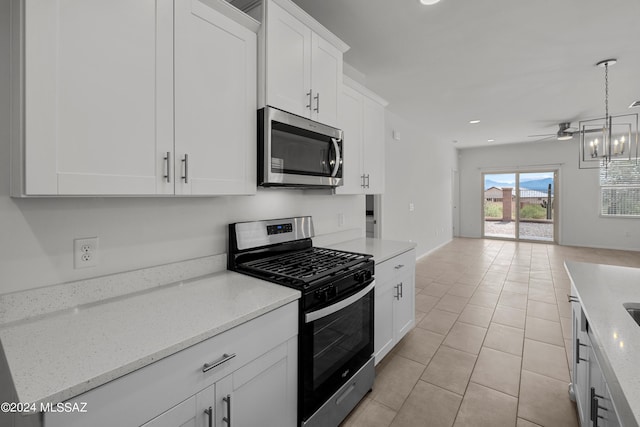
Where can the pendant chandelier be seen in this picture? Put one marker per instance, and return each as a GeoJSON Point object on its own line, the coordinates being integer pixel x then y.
{"type": "Point", "coordinates": [609, 138]}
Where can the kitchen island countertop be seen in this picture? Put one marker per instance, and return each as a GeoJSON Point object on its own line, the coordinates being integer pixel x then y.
{"type": "Point", "coordinates": [602, 290]}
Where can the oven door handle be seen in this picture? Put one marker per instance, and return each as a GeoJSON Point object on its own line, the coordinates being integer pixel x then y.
{"type": "Point", "coordinates": [324, 312]}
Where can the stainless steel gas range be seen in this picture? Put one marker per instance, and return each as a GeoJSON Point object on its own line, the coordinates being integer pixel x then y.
{"type": "Point", "coordinates": [335, 347]}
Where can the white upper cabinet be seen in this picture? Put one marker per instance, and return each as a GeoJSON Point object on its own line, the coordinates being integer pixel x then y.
{"type": "Point", "coordinates": [95, 97]}
{"type": "Point", "coordinates": [350, 121]}
{"type": "Point", "coordinates": [98, 89]}
{"type": "Point", "coordinates": [373, 147]}
{"type": "Point", "coordinates": [361, 117]}
{"type": "Point", "coordinates": [215, 102]}
{"type": "Point", "coordinates": [301, 63]}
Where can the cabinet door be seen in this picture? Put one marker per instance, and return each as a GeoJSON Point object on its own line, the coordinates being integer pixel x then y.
{"type": "Point", "coordinates": [181, 415]}
{"type": "Point", "coordinates": [374, 146]}
{"type": "Point", "coordinates": [580, 362]}
{"type": "Point", "coordinates": [350, 121]}
{"type": "Point", "coordinates": [215, 102]}
{"type": "Point", "coordinates": [288, 62]}
{"type": "Point", "coordinates": [383, 321]}
{"type": "Point", "coordinates": [193, 412]}
{"type": "Point", "coordinates": [404, 306]}
{"type": "Point", "coordinates": [263, 392]}
{"type": "Point", "coordinates": [326, 80]}
{"type": "Point", "coordinates": [98, 96]}
{"type": "Point", "coordinates": [605, 410]}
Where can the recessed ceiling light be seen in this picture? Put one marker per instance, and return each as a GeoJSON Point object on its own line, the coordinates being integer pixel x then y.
{"type": "Point", "coordinates": [491, 140]}
{"type": "Point", "coordinates": [473, 122]}
{"type": "Point", "coordinates": [455, 141]}
{"type": "Point", "coordinates": [429, 2]}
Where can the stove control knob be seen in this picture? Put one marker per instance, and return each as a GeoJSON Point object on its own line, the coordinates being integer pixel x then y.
{"type": "Point", "coordinates": [362, 276]}
{"type": "Point", "coordinates": [332, 292]}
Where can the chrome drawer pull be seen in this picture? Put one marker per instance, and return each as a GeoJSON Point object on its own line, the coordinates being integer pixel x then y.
{"type": "Point", "coordinates": [225, 358]}
{"type": "Point", "coordinates": [399, 266]}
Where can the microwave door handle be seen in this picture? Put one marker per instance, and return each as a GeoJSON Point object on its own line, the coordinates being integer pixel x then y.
{"type": "Point", "coordinates": [336, 147]}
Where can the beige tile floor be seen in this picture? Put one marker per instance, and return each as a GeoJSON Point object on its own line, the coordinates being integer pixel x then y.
{"type": "Point", "coordinates": [491, 342]}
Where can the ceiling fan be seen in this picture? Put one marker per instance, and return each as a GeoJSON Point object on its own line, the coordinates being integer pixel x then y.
{"type": "Point", "coordinates": [565, 132]}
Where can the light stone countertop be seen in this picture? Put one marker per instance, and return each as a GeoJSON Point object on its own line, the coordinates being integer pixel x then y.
{"type": "Point", "coordinates": [602, 290]}
{"type": "Point", "coordinates": [382, 250]}
{"type": "Point", "coordinates": [61, 355]}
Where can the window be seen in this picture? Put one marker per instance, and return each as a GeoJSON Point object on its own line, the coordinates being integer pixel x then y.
{"type": "Point", "coordinates": [620, 189]}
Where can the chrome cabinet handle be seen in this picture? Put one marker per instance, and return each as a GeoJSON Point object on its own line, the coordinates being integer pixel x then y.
{"type": "Point", "coordinates": [367, 180]}
{"type": "Point", "coordinates": [397, 295]}
{"type": "Point", "coordinates": [225, 358]}
{"type": "Point", "coordinates": [399, 266]}
{"type": "Point", "coordinates": [317, 98]}
{"type": "Point", "coordinates": [209, 413]}
{"type": "Point", "coordinates": [167, 164]}
{"type": "Point", "coordinates": [571, 298]}
{"type": "Point", "coordinates": [338, 157]}
{"type": "Point", "coordinates": [578, 358]}
{"type": "Point", "coordinates": [362, 181]}
{"type": "Point", "coordinates": [310, 95]}
{"type": "Point", "coordinates": [401, 289]}
{"type": "Point", "coordinates": [227, 419]}
{"type": "Point", "coordinates": [185, 163]}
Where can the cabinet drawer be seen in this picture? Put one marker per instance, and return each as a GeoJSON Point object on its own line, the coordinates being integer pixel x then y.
{"type": "Point", "coordinates": [141, 395]}
{"type": "Point", "coordinates": [395, 267]}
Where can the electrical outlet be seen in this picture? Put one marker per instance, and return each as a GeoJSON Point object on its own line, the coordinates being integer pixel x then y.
{"type": "Point", "coordinates": [411, 207]}
{"type": "Point", "coordinates": [340, 220]}
{"type": "Point", "coordinates": [85, 252]}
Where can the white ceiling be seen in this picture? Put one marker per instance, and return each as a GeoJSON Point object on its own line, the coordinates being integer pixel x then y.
{"type": "Point", "coordinates": [519, 66]}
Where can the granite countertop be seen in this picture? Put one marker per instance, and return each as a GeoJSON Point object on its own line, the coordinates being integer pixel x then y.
{"type": "Point", "coordinates": [382, 250]}
{"type": "Point", "coordinates": [602, 290]}
{"type": "Point", "coordinates": [61, 355]}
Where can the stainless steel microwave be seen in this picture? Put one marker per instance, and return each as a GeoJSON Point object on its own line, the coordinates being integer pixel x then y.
{"type": "Point", "coordinates": [294, 151]}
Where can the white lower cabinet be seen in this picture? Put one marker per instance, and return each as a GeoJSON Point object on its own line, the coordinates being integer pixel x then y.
{"type": "Point", "coordinates": [589, 386]}
{"type": "Point", "coordinates": [244, 398]}
{"type": "Point", "coordinates": [394, 302]}
{"type": "Point", "coordinates": [246, 376]}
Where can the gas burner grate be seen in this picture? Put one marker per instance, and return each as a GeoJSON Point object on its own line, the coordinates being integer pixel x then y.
{"type": "Point", "coordinates": [306, 265]}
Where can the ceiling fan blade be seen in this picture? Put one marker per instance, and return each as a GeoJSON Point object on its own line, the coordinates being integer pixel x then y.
{"type": "Point", "coordinates": [544, 134]}
{"type": "Point", "coordinates": [545, 138]}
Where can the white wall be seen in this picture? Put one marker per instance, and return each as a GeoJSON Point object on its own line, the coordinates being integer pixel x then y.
{"type": "Point", "coordinates": [578, 193]}
{"type": "Point", "coordinates": [37, 235]}
{"type": "Point", "coordinates": [418, 171]}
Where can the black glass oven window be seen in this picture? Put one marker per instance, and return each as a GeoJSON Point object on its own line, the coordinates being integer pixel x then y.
{"type": "Point", "coordinates": [298, 151]}
{"type": "Point", "coordinates": [340, 338]}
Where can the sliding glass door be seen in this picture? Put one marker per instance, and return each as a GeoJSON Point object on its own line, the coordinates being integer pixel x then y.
{"type": "Point", "coordinates": [519, 205]}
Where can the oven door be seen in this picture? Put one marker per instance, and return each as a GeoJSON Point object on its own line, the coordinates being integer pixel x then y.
{"type": "Point", "coordinates": [295, 151]}
{"type": "Point", "coordinates": [336, 341]}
